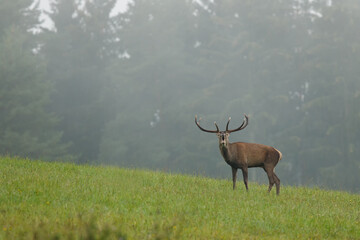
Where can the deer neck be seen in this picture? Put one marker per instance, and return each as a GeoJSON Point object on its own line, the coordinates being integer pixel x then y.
{"type": "Point", "coordinates": [225, 151]}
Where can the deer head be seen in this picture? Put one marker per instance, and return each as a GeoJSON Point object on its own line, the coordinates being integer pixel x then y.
{"type": "Point", "coordinates": [223, 136]}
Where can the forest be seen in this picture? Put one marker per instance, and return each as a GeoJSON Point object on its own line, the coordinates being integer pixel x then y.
{"type": "Point", "coordinates": [123, 88]}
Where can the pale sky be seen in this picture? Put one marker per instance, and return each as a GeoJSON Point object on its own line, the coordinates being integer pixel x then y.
{"type": "Point", "coordinates": [44, 6]}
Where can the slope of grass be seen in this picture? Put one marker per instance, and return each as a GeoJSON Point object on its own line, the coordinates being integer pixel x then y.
{"type": "Point", "coordinates": [40, 200]}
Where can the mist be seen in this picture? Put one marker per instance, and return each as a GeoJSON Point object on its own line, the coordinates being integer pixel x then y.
{"type": "Point", "coordinates": [122, 88]}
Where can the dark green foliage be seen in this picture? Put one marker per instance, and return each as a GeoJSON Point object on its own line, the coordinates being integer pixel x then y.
{"type": "Point", "coordinates": [16, 13]}
{"type": "Point", "coordinates": [27, 128]}
{"type": "Point", "coordinates": [77, 54]}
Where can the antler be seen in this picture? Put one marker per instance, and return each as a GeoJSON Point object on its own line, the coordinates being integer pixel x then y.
{"type": "Point", "coordinates": [203, 129]}
{"type": "Point", "coordinates": [243, 125]}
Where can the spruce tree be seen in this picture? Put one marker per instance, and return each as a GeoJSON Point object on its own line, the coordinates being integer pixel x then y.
{"type": "Point", "coordinates": [27, 128]}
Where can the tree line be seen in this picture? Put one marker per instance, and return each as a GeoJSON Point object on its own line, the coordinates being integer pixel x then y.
{"type": "Point", "coordinates": [124, 89]}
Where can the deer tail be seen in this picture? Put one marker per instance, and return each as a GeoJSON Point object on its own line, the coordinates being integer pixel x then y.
{"type": "Point", "coordinates": [280, 154]}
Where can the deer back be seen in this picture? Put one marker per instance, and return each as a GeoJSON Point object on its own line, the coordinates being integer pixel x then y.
{"type": "Point", "coordinates": [252, 154]}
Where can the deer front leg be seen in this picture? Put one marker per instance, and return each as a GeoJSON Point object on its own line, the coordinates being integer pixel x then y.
{"type": "Point", "coordinates": [245, 176]}
{"type": "Point", "coordinates": [234, 171]}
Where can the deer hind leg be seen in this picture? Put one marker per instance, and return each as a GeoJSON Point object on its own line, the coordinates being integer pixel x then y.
{"type": "Point", "coordinates": [271, 181]}
{"type": "Point", "coordinates": [277, 184]}
{"type": "Point", "coordinates": [271, 175]}
{"type": "Point", "coordinates": [245, 176]}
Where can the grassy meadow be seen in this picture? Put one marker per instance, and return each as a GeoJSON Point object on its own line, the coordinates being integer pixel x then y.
{"type": "Point", "coordinates": [42, 200]}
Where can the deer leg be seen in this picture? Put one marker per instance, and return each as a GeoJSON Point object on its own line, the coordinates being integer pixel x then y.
{"type": "Point", "coordinates": [234, 171]}
{"type": "Point", "coordinates": [271, 181]}
{"type": "Point", "coordinates": [271, 177]}
{"type": "Point", "coordinates": [245, 176]}
{"type": "Point", "coordinates": [277, 184]}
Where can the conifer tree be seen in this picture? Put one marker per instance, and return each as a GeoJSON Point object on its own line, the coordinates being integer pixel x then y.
{"type": "Point", "coordinates": [27, 128]}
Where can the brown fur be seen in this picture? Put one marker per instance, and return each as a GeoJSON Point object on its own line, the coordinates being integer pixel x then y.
{"type": "Point", "coordinates": [241, 155]}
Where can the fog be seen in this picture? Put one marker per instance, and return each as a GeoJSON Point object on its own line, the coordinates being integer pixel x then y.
{"type": "Point", "coordinates": [122, 87]}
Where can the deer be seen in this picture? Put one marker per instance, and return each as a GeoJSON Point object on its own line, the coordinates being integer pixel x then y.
{"type": "Point", "coordinates": [243, 155]}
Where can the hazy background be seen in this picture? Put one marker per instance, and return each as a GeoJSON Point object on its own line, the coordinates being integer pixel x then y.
{"type": "Point", "coordinates": [83, 81]}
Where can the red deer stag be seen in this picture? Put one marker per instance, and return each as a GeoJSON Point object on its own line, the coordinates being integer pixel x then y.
{"type": "Point", "coordinates": [246, 155]}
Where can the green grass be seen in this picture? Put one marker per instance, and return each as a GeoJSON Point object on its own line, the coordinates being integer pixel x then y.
{"type": "Point", "coordinates": [40, 200]}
